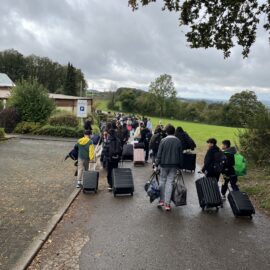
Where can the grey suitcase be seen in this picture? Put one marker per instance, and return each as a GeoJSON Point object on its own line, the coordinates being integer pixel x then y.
{"type": "Point", "coordinates": [90, 181]}
{"type": "Point", "coordinates": [123, 181]}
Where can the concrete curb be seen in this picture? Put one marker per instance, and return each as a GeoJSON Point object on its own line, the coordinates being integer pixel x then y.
{"type": "Point", "coordinates": [27, 256]}
{"type": "Point", "coordinates": [41, 138]}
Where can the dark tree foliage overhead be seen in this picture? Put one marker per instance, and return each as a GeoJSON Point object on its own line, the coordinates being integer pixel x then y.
{"type": "Point", "coordinates": [219, 24]}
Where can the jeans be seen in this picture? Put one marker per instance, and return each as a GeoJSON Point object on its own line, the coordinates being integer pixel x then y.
{"type": "Point", "coordinates": [167, 176]}
{"type": "Point", "coordinates": [233, 180]}
{"type": "Point", "coordinates": [110, 167]}
{"type": "Point", "coordinates": [83, 165]}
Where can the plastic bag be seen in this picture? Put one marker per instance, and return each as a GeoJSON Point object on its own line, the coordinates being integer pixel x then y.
{"type": "Point", "coordinates": [152, 187]}
{"type": "Point", "coordinates": [179, 194]}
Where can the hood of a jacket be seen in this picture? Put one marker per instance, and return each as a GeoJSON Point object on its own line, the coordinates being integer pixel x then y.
{"type": "Point", "coordinates": [231, 150]}
{"type": "Point", "coordinates": [83, 141]}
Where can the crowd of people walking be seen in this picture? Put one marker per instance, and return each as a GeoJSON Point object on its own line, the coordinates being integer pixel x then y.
{"type": "Point", "coordinates": [166, 146]}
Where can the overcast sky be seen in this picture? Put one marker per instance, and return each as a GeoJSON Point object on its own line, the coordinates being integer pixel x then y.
{"type": "Point", "coordinates": [114, 46]}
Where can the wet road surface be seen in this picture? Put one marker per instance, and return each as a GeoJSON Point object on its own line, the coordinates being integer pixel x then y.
{"type": "Point", "coordinates": [130, 233]}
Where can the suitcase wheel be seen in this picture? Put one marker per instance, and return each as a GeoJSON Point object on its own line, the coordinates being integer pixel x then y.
{"type": "Point", "coordinates": [131, 193]}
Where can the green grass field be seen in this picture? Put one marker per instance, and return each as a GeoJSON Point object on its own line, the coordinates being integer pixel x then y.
{"type": "Point", "coordinates": [201, 132]}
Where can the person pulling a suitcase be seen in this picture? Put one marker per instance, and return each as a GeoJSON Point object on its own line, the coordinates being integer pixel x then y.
{"type": "Point", "coordinates": [229, 174]}
{"type": "Point", "coordinates": [210, 159]}
{"type": "Point", "coordinates": [86, 152]}
{"type": "Point", "coordinates": [112, 152]}
{"type": "Point", "coordinates": [145, 139]}
{"type": "Point", "coordinates": [169, 158]}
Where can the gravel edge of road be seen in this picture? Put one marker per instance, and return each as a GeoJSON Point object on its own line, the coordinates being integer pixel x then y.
{"type": "Point", "coordinates": [27, 257]}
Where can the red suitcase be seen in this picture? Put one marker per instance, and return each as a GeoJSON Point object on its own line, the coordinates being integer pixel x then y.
{"type": "Point", "coordinates": [138, 157]}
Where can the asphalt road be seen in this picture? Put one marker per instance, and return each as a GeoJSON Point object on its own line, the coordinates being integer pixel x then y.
{"type": "Point", "coordinates": [103, 232]}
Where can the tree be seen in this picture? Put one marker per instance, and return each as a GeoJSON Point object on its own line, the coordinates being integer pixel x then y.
{"type": "Point", "coordinates": [243, 107]}
{"type": "Point", "coordinates": [127, 99]}
{"type": "Point", "coordinates": [162, 89]}
{"type": "Point", "coordinates": [70, 82]}
{"type": "Point", "coordinates": [50, 74]}
{"type": "Point", "coordinates": [32, 101]}
{"type": "Point", "coordinates": [218, 23]}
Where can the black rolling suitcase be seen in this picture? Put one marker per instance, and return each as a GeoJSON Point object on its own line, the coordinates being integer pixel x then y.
{"type": "Point", "coordinates": [240, 204]}
{"type": "Point", "coordinates": [90, 181]}
{"type": "Point", "coordinates": [127, 153]}
{"type": "Point", "coordinates": [208, 193]}
{"type": "Point", "coordinates": [189, 162]}
{"type": "Point", "coordinates": [122, 181]}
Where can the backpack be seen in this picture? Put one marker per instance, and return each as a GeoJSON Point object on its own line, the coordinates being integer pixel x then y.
{"type": "Point", "coordinates": [220, 162]}
{"type": "Point", "coordinates": [240, 165]}
{"type": "Point", "coordinates": [156, 143]}
{"type": "Point", "coordinates": [115, 150]}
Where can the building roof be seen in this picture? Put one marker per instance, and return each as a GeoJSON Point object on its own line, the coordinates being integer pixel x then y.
{"type": "Point", "coordinates": [61, 96]}
{"type": "Point", "coordinates": [5, 81]}
{"type": "Point", "coordinates": [4, 94]}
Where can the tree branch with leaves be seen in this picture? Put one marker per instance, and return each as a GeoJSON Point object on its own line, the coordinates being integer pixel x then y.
{"type": "Point", "coordinates": [219, 24]}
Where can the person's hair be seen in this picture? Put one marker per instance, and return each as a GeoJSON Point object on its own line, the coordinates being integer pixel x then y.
{"type": "Point", "coordinates": [125, 125]}
{"type": "Point", "coordinates": [141, 124]}
{"type": "Point", "coordinates": [158, 129]}
{"type": "Point", "coordinates": [113, 126]}
{"type": "Point", "coordinates": [112, 132]}
{"type": "Point", "coordinates": [227, 143]}
{"type": "Point", "coordinates": [108, 126]}
{"type": "Point", "coordinates": [170, 129]}
{"type": "Point", "coordinates": [179, 130]}
{"type": "Point", "coordinates": [87, 132]}
{"type": "Point", "coordinates": [212, 140]}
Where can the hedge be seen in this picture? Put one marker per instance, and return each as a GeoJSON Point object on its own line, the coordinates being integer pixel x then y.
{"type": "Point", "coordinates": [67, 120]}
{"type": "Point", "coordinates": [60, 131]}
{"type": "Point", "coordinates": [2, 133]}
{"type": "Point", "coordinates": [27, 127]}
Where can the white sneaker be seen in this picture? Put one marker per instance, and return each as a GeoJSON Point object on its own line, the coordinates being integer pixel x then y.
{"type": "Point", "coordinates": [79, 184]}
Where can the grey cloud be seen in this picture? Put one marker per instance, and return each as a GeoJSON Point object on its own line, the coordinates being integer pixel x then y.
{"type": "Point", "coordinates": [112, 44]}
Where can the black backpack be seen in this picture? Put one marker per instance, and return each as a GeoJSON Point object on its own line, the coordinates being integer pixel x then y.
{"type": "Point", "coordinates": [220, 162]}
{"type": "Point", "coordinates": [156, 143]}
{"type": "Point", "coordinates": [115, 150]}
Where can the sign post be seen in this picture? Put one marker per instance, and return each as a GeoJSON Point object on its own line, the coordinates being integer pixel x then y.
{"type": "Point", "coordinates": [82, 108]}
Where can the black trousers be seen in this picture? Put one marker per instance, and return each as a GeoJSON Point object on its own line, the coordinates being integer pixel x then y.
{"type": "Point", "coordinates": [110, 166]}
{"type": "Point", "coordinates": [146, 149]}
{"type": "Point", "coordinates": [232, 179]}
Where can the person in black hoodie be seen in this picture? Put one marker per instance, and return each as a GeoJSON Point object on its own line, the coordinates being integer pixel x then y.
{"type": "Point", "coordinates": [112, 152]}
{"type": "Point", "coordinates": [229, 172]}
{"type": "Point", "coordinates": [210, 159]}
{"type": "Point", "coordinates": [186, 140]}
{"type": "Point", "coordinates": [145, 139]}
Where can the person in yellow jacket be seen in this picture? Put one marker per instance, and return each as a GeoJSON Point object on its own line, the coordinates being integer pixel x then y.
{"type": "Point", "coordinates": [86, 153]}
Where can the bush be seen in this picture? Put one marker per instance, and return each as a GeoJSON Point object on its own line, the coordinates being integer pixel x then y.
{"type": "Point", "coordinates": [95, 129]}
{"type": "Point", "coordinates": [27, 127]}
{"type": "Point", "coordinates": [67, 120]}
{"type": "Point", "coordinates": [1, 105]}
{"type": "Point", "coordinates": [2, 133]}
{"type": "Point", "coordinates": [32, 101]}
{"type": "Point", "coordinates": [9, 118]}
{"type": "Point", "coordinates": [60, 131]}
{"type": "Point", "coordinates": [254, 141]}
